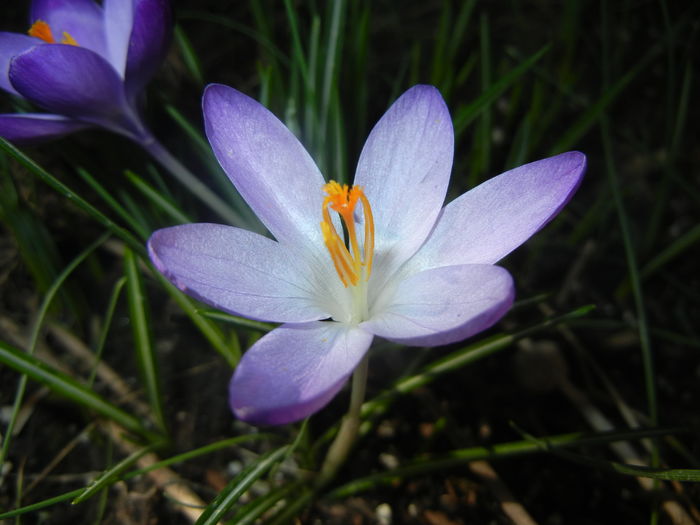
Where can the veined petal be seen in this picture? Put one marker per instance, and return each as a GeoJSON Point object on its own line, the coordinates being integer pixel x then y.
{"type": "Point", "coordinates": [11, 45]}
{"type": "Point", "coordinates": [295, 370]}
{"type": "Point", "coordinates": [404, 170]}
{"type": "Point", "coordinates": [238, 271]}
{"type": "Point", "coordinates": [117, 19]}
{"type": "Point", "coordinates": [27, 128]}
{"type": "Point", "coordinates": [267, 164]}
{"type": "Point", "coordinates": [148, 42]}
{"type": "Point", "coordinates": [488, 222]}
{"type": "Point", "coordinates": [73, 81]}
{"type": "Point", "coordinates": [442, 305]}
{"type": "Point", "coordinates": [81, 19]}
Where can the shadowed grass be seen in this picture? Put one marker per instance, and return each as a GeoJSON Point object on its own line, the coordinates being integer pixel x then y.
{"type": "Point", "coordinates": [521, 83]}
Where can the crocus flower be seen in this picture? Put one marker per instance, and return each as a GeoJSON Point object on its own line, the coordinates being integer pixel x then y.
{"type": "Point", "coordinates": [381, 258]}
{"type": "Point", "coordinates": [84, 63]}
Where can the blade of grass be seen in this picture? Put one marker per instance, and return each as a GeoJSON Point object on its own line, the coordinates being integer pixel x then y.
{"type": "Point", "coordinates": [458, 359]}
{"type": "Point", "coordinates": [143, 342]}
{"type": "Point", "coordinates": [610, 94]}
{"type": "Point", "coordinates": [290, 511]}
{"type": "Point", "coordinates": [298, 58]}
{"type": "Point", "coordinates": [33, 240]}
{"type": "Point", "coordinates": [238, 486]}
{"type": "Point", "coordinates": [219, 176]}
{"type": "Point", "coordinates": [72, 196]}
{"type": "Point", "coordinates": [466, 115]}
{"type": "Point", "coordinates": [109, 476]}
{"type": "Point", "coordinates": [106, 195]}
{"type": "Point", "coordinates": [251, 511]}
{"type": "Point", "coordinates": [260, 37]}
{"type": "Point", "coordinates": [208, 329]}
{"type": "Point", "coordinates": [157, 198]}
{"type": "Point", "coordinates": [482, 149]}
{"type": "Point", "coordinates": [139, 472]}
{"type": "Point", "coordinates": [189, 56]}
{"type": "Point", "coordinates": [68, 387]}
{"type": "Point", "coordinates": [457, 458]}
{"type": "Point", "coordinates": [238, 321]}
{"type": "Point", "coordinates": [635, 280]}
{"type": "Point", "coordinates": [107, 322]}
{"type": "Point", "coordinates": [34, 337]}
{"type": "Point", "coordinates": [333, 48]}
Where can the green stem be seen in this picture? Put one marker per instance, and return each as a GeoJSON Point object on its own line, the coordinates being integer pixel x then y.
{"type": "Point", "coordinates": [149, 143]}
{"type": "Point", "coordinates": [349, 428]}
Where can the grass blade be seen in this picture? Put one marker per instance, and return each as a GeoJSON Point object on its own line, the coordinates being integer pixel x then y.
{"type": "Point", "coordinates": [466, 115]}
{"type": "Point", "coordinates": [458, 458]}
{"type": "Point", "coordinates": [109, 476]}
{"type": "Point", "coordinates": [106, 195]}
{"type": "Point", "coordinates": [68, 387]}
{"type": "Point", "coordinates": [138, 315]}
{"type": "Point", "coordinates": [157, 198]}
{"type": "Point", "coordinates": [208, 329]}
{"type": "Point", "coordinates": [189, 56]}
{"type": "Point", "coordinates": [69, 194]}
{"type": "Point", "coordinates": [238, 486]}
{"type": "Point", "coordinates": [34, 337]}
{"type": "Point", "coordinates": [238, 321]}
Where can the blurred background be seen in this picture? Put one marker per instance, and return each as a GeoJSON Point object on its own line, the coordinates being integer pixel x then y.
{"type": "Point", "coordinates": [596, 365]}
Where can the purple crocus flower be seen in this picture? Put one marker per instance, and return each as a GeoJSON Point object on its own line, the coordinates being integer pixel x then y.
{"type": "Point", "coordinates": [85, 64]}
{"type": "Point", "coordinates": [382, 258]}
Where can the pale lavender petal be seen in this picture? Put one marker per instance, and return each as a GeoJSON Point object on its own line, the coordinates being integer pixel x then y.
{"type": "Point", "coordinates": [441, 305]}
{"type": "Point", "coordinates": [295, 370]}
{"type": "Point", "coordinates": [81, 19]}
{"type": "Point", "coordinates": [11, 45]}
{"type": "Point", "coordinates": [118, 19]}
{"type": "Point", "coordinates": [238, 271]}
{"type": "Point", "coordinates": [404, 170]}
{"type": "Point", "coordinates": [488, 222]}
{"type": "Point", "coordinates": [149, 42]}
{"type": "Point", "coordinates": [267, 164]}
{"type": "Point", "coordinates": [27, 128]}
{"type": "Point", "coordinates": [72, 81]}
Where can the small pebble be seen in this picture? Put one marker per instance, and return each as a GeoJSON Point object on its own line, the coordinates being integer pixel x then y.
{"type": "Point", "coordinates": [388, 460]}
{"type": "Point", "coordinates": [383, 513]}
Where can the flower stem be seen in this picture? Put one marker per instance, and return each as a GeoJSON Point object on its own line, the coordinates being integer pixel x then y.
{"type": "Point", "coordinates": [345, 439]}
{"type": "Point", "coordinates": [149, 143]}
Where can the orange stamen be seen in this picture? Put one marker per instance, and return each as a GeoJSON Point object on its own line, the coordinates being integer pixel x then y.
{"type": "Point", "coordinates": [349, 263]}
{"type": "Point", "coordinates": [41, 29]}
{"type": "Point", "coordinates": [67, 39]}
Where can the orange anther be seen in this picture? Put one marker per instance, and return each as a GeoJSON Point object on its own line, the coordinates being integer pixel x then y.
{"type": "Point", "coordinates": [67, 39]}
{"type": "Point", "coordinates": [41, 29]}
{"type": "Point", "coordinates": [350, 262]}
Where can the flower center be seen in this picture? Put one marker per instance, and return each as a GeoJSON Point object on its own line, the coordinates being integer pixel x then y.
{"type": "Point", "coordinates": [42, 30]}
{"type": "Point", "coordinates": [353, 264]}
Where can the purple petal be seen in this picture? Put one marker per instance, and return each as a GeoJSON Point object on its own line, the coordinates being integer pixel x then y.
{"type": "Point", "coordinates": [267, 164]}
{"type": "Point", "coordinates": [27, 128]}
{"type": "Point", "coordinates": [11, 45]}
{"type": "Point", "coordinates": [442, 305]}
{"type": "Point", "coordinates": [81, 19]}
{"type": "Point", "coordinates": [238, 271]}
{"type": "Point", "coordinates": [118, 20]}
{"type": "Point", "coordinates": [295, 370]}
{"type": "Point", "coordinates": [75, 82]}
{"type": "Point", "coordinates": [488, 222]}
{"type": "Point", "coordinates": [149, 42]}
{"type": "Point", "coordinates": [404, 170]}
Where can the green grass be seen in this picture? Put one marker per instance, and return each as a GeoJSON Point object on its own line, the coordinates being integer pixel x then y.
{"type": "Point", "coordinates": [608, 294]}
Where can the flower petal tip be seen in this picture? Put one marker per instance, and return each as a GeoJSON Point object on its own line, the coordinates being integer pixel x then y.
{"type": "Point", "coordinates": [294, 371]}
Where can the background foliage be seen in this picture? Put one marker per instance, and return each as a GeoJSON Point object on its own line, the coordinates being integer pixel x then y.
{"type": "Point", "coordinates": [106, 370]}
